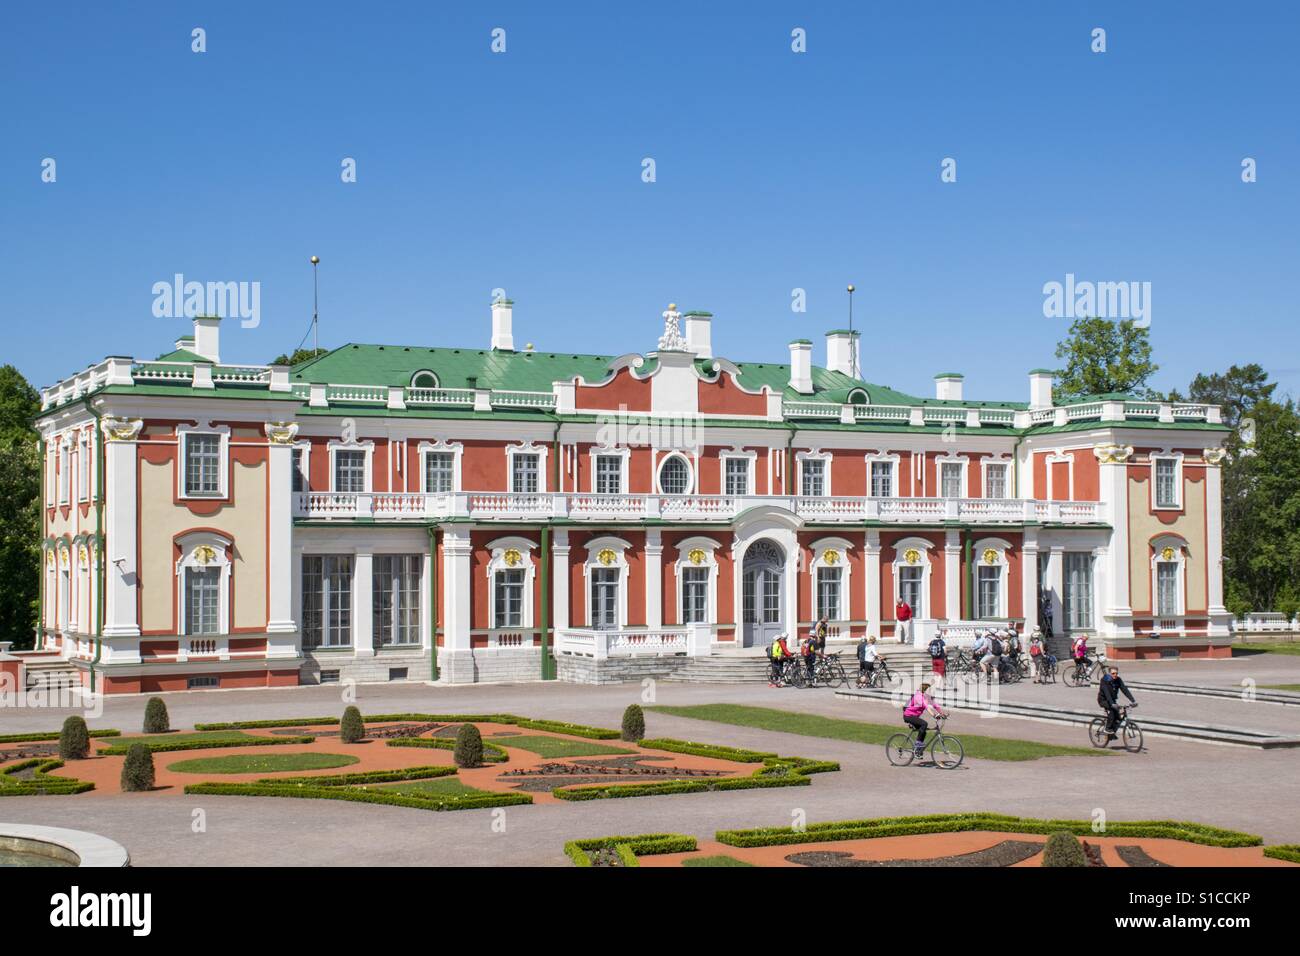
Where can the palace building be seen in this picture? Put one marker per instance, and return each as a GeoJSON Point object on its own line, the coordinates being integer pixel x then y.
{"type": "Point", "coordinates": [489, 512]}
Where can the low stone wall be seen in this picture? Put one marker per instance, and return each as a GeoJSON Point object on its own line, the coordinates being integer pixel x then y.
{"type": "Point", "coordinates": [365, 670]}
{"type": "Point", "coordinates": [616, 670]}
{"type": "Point", "coordinates": [489, 665]}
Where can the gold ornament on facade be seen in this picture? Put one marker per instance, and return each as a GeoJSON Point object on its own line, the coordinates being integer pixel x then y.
{"type": "Point", "coordinates": [1215, 456]}
{"type": "Point", "coordinates": [831, 556]}
{"type": "Point", "coordinates": [1167, 554]}
{"type": "Point", "coordinates": [990, 556]}
{"type": "Point", "coordinates": [122, 429]}
{"type": "Point", "coordinates": [512, 557]}
{"type": "Point", "coordinates": [1112, 454]}
{"type": "Point", "coordinates": [697, 556]}
{"type": "Point", "coordinates": [205, 554]}
{"type": "Point", "coordinates": [912, 556]}
{"type": "Point", "coordinates": [606, 556]}
{"type": "Point", "coordinates": [83, 555]}
{"type": "Point", "coordinates": [282, 433]}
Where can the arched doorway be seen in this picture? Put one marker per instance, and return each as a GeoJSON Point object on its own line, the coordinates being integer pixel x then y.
{"type": "Point", "coordinates": [763, 593]}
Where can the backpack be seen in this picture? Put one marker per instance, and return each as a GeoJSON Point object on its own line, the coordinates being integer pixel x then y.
{"type": "Point", "coordinates": [995, 647]}
{"type": "Point", "coordinates": [936, 648]}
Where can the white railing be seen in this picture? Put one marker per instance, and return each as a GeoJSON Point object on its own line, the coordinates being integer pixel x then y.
{"type": "Point", "coordinates": [439, 396]}
{"type": "Point", "coordinates": [1266, 622]}
{"type": "Point", "coordinates": [163, 372]}
{"type": "Point", "coordinates": [883, 413]}
{"type": "Point", "coordinates": [357, 393]}
{"type": "Point", "coordinates": [514, 399]}
{"type": "Point", "coordinates": [810, 410]}
{"type": "Point", "coordinates": [691, 640]}
{"type": "Point", "coordinates": [507, 505]}
{"type": "Point", "coordinates": [608, 506]}
{"type": "Point", "coordinates": [1141, 409]}
{"type": "Point", "coordinates": [704, 507]}
{"type": "Point", "coordinates": [242, 374]}
{"type": "Point", "coordinates": [1074, 413]}
{"type": "Point", "coordinates": [507, 639]}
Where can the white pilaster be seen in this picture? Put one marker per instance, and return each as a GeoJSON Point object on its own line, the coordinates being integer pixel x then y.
{"type": "Point", "coordinates": [363, 630]}
{"type": "Point", "coordinates": [121, 526]}
{"type": "Point", "coordinates": [1117, 618]}
{"type": "Point", "coordinates": [1029, 578]}
{"type": "Point", "coordinates": [1220, 618]}
{"type": "Point", "coordinates": [654, 578]}
{"type": "Point", "coordinates": [456, 554]}
{"type": "Point", "coordinates": [560, 579]}
{"type": "Point", "coordinates": [279, 530]}
{"type": "Point", "coordinates": [952, 576]}
{"type": "Point", "coordinates": [1055, 580]}
{"type": "Point", "coordinates": [873, 582]}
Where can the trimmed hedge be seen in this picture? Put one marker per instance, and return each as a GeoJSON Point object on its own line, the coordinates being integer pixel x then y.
{"type": "Point", "coordinates": [352, 728]}
{"type": "Point", "coordinates": [629, 848]}
{"type": "Point", "coordinates": [156, 720]}
{"type": "Point", "coordinates": [996, 822]}
{"type": "Point", "coordinates": [51, 735]}
{"type": "Point", "coordinates": [41, 783]}
{"type": "Point", "coordinates": [363, 777]}
{"type": "Point", "coordinates": [491, 752]}
{"type": "Point", "coordinates": [74, 739]}
{"type": "Point", "coordinates": [1063, 849]}
{"type": "Point", "coordinates": [162, 746]}
{"type": "Point", "coordinates": [358, 795]}
{"type": "Point", "coordinates": [137, 770]}
{"type": "Point", "coordinates": [633, 723]}
{"type": "Point", "coordinates": [1284, 851]}
{"type": "Point", "coordinates": [468, 751]}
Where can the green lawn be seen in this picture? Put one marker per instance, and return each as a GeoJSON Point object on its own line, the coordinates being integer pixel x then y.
{"type": "Point", "coordinates": [720, 860]}
{"type": "Point", "coordinates": [857, 731]}
{"type": "Point", "coordinates": [558, 746]}
{"type": "Point", "coordinates": [263, 763]}
{"type": "Point", "coordinates": [1271, 647]}
{"type": "Point", "coordinates": [162, 741]}
{"type": "Point", "coordinates": [1280, 686]}
{"type": "Point", "coordinates": [432, 789]}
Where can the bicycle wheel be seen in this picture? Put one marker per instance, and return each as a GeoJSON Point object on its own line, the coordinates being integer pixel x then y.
{"type": "Point", "coordinates": [1070, 675]}
{"type": "Point", "coordinates": [1132, 738]}
{"type": "Point", "coordinates": [1023, 667]}
{"type": "Point", "coordinates": [1097, 732]}
{"type": "Point", "coordinates": [947, 752]}
{"type": "Point", "coordinates": [839, 676]}
{"type": "Point", "coordinates": [899, 750]}
{"type": "Point", "coordinates": [795, 677]}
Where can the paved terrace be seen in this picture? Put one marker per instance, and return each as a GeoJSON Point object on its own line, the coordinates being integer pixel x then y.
{"type": "Point", "coordinates": [1226, 786]}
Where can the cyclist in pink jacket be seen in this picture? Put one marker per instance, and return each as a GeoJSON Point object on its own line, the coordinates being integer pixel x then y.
{"type": "Point", "coordinates": [913, 715]}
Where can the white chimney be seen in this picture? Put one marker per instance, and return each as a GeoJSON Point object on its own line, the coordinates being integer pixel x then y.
{"type": "Point", "coordinates": [801, 366]}
{"type": "Point", "coordinates": [699, 335]}
{"type": "Point", "coordinates": [503, 336]}
{"type": "Point", "coordinates": [843, 352]}
{"type": "Point", "coordinates": [207, 338]}
{"type": "Point", "coordinates": [1040, 388]}
{"type": "Point", "coordinates": [947, 387]}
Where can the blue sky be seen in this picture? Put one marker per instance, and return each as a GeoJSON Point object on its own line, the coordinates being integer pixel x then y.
{"type": "Point", "coordinates": [775, 171]}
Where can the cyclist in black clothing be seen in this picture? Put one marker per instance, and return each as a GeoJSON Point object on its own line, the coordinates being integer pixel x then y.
{"type": "Point", "coordinates": [1112, 685]}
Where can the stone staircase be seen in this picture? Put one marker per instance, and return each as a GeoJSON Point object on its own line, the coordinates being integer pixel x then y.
{"type": "Point", "coordinates": [739, 668]}
{"type": "Point", "coordinates": [51, 674]}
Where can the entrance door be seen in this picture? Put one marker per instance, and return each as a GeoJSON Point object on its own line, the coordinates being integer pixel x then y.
{"type": "Point", "coordinates": [763, 596]}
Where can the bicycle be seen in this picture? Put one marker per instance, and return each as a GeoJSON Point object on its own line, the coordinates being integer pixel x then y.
{"type": "Point", "coordinates": [945, 750]}
{"type": "Point", "coordinates": [1126, 729]}
{"type": "Point", "coordinates": [878, 676]}
{"type": "Point", "coordinates": [793, 673]}
{"type": "Point", "coordinates": [1079, 674]}
{"type": "Point", "coordinates": [830, 671]}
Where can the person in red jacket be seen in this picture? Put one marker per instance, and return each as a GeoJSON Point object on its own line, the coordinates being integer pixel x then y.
{"type": "Point", "coordinates": [903, 614]}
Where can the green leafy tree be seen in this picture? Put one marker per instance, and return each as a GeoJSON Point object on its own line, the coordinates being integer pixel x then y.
{"type": "Point", "coordinates": [1102, 355]}
{"type": "Point", "coordinates": [1063, 849]}
{"type": "Point", "coordinates": [74, 739]}
{"type": "Point", "coordinates": [156, 720]}
{"type": "Point", "coordinates": [633, 723]}
{"type": "Point", "coordinates": [298, 357]}
{"type": "Point", "coordinates": [20, 510]}
{"type": "Point", "coordinates": [351, 728]}
{"type": "Point", "coordinates": [469, 747]}
{"type": "Point", "coordinates": [137, 769]}
{"type": "Point", "coordinates": [1237, 391]}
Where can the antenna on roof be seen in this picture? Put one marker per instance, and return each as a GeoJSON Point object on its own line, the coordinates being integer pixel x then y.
{"type": "Point", "coordinates": [853, 343]}
{"type": "Point", "coordinates": [315, 313]}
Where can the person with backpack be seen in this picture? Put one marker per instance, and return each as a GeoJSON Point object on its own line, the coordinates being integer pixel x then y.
{"type": "Point", "coordinates": [780, 654]}
{"type": "Point", "coordinates": [938, 657]}
{"type": "Point", "coordinates": [808, 649]}
{"type": "Point", "coordinates": [992, 658]}
{"type": "Point", "coordinates": [1080, 651]}
{"type": "Point", "coordinates": [903, 614]}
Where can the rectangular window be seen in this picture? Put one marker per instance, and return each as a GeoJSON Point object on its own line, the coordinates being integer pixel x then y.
{"type": "Point", "coordinates": [202, 464]}
{"type": "Point", "coordinates": [396, 599]}
{"type": "Point", "coordinates": [1166, 483]}
{"type": "Point", "coordinates": [996, 481]}
{"type": "Point", "coordinates": [882, 479]}
{"type": "Point", "coordinates": [524, 475]}
{"type": "Point", "coordinates": [1078, 591]}
{"type": "Point", "coordinates": [989, 592]}
{"type": "Point", "coordinates": [327, 600]}
{"type": "Point", "coordinates": [350, 471]}
{"type": "Point", "coordinates": [202, 601]}
{"type": "Point", "coordinates": [950, 479]}
{"type": "Point", "coordinates": [83, 469]}
{"type": "Point", "coordinates": [1166, 588]}
{"type": "Point", "coordinates": [828, 593]}
{"type": "Point", "coordinates": [439, 472]}
{"type": "Point", "coordinates": [695, 595]}
{"type": "Point", "coordinates": [299, 475]}
{"type": "Point", "coordinates": [508, 598]}
{"type": "Point", "coordinates": [737, 476]}
{"type": "Point", "coordinates": [604, 598]}
{"type": "Point", "coordinates": [911, 579]}
{"type": "Point", "coordinates": [65, 473]}
{"type": "Point", "coordinates": [813, 478]}
{"type": "Point", "coordinates": [609, 474]}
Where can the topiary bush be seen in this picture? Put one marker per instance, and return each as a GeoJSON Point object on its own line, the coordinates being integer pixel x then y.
{"type": "Point", "coordinates": [352, 728]}
{"type": "Point", "coordinates": [74, 739]}
{"type": "Point", "coordinates": [633, 723]}
{"type": "Point", "coordinates": [1063, 849]}
{"type": "Point", "coordinates": [156, 720]}
{"type": "Point", "coordinates": [469, 746]}
{"type": "Point", "coordinates": [137, 769]}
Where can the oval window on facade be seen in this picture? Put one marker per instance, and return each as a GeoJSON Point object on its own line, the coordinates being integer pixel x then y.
{"type": "Point", "coordinates": [674, 476]}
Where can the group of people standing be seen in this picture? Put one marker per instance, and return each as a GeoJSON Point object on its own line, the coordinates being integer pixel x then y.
{"type": "Point", "coordinates": [781, 655]}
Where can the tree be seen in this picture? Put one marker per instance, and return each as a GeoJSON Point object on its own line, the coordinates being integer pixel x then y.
{"type": "Point", "coordinates": [1063, 849]}
{"type": "Point", "coordinates": [469, 747]}
{"type": "Point", "coordinates": [298, 357]}
{"type": "Point", "coordinates": [74, 739]}
{"type": "Point", "coordinates": [1236, 390]}
{"type": "Point", "coordinates": [1105, 356]}
{"type": "Point", "coordinates": [351, 728]}
{"type": "Point", "coordinates": [633, 723]}
{"type": "Point", "coordinates": [137, 769]}
{"type": "Point", "coordinates": [156, 720]}
{"type": "Point", "coordinates": [20, 510]}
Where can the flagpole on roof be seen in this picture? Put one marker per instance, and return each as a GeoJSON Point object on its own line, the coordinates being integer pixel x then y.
{"type": "Point", "coordinates": [853, 351]}
{"type": "Point", "coordinates": [315, 313]}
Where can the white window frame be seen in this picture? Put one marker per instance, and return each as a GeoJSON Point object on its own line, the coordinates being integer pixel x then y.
{"type": "Point", "coordinates": [421, 600]}
{"type": "Point", "coordinates": [183, 434]}
{"type": "Point", "coordinates": [594, 547]}
{"type": "Point", "coordinates": [1000, 547]}
{"type": "Point", "coordinates": [659, 474]}
{"type": "Point", "coordinates": [815, 454]}
{"type": "Point", "coordinates": [684, 549]}
{"type": "Point", "coordinates": [1059, 457]}
{"type": "Point", "coordinates": [1177, 458]}
{"type": "Point", "coordinates": [890, 460]}
{"type": "Point", "coordinates": [363, 446]}
{"type": "Point", "coordinates": [526, 448]}
{"type": "Point", "coordinates": [437, 382]}
{"type": "Point", "coordinates": [455, 449]}
{"type": "Point", "coordinates": [83, 466]}
{"type": "Point", "coordinates": [305, 471]}
{"type": "Point", "coordinates": [986, 464]}
{"type": "Point", "coordinates": [624, 455]}
{"type": "Point", "coordinates": [191, 546]}
{"type": "Point", "coordinates": [842, 548]}
{"type": "Point", "coordinates": [925, 563]}
{"type": "Point", "coordinates": [751, 466]}
{"type": "Point", "coordinates": [65, 470]}
{"type": "Point", "coordinates": [1180, 560]}
{"type": "Point", "coordinates": [963, 463]}
{"type": "Point", "coordinates": [1066, 603]}
{"type": "Point", "coordinates": [497, 563]}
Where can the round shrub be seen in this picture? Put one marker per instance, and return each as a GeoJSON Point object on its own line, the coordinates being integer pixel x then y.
{"type": "Point", "coordinates": [469, 746]}
{"type": "Point", "coordinates": [137, 770]}
{"type": "Point", "coordinates": [74, 739]}
{"type": "Point", "coordinates": [633, 723]}
{"type": "Point", "coordinates": [352, 728]}
{"type": "Point", "coordinates": [1063, 849]}
{"type": "Point", "coordinates": [156, 720]}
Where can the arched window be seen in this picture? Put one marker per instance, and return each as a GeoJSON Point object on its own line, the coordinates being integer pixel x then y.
{"type": "Point", "coordinates": [424, 379]}
{"type": "Point", "coordinates": [674, 476]}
